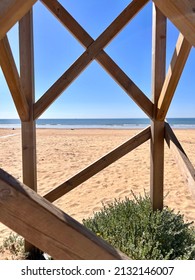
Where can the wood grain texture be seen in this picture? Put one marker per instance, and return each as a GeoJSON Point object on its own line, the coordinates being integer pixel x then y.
{"type": "Point", "coordinates": [93, 49]}
{"type": "Point", "coordinates": [11, 11]}
{"type": "Point", "coordinates": [27, 83]}
{"type": "Point", "coordinates": [157, 165]}
{"type": "Point", "coordinates": [182, 15]}
{"type": "Point", "coordinates": [47, 227]}
{"type": "Point", "coordinates": [13, 80]}
{"type": "Point", "coordinates": [26, 48]}
{"type": "Point", "coordinates": [157, 128]}
{"type": "Point", "coordinates": [99, 165]}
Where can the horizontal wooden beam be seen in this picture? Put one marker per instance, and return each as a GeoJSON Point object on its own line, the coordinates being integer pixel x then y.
{"type": "Point", "coordinates": [182, 15]}
{"type": "Point", "coordinates": [13, 80]}
{"type": "Point", "coordinates": [99, 165]}
{"type": "Point", "coordinates": [87, 57]}
{"type": "Point", "coordinates": [47, 227]}
{"type": "Point", "coordinates": [176, 67]}
{"type": "Point", "coordinates": [103, 58]}
{"type": "Point", "coordinates": [12, 11]}
{"type": "Point", "coordinates": [182, 159]}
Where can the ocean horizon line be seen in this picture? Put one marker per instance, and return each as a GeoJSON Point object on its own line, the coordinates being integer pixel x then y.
{"type": "Point", "coordinates": [97, 118]}
{"type": "Point", "coordinates": [115, 123]}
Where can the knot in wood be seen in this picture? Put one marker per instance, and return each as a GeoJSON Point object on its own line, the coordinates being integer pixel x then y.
{"type": "Point", "coordinates": [4, 193]}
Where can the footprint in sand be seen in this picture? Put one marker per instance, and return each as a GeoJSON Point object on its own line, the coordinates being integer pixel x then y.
{"type": "Point", "coordinates": [74, 205]}
{"type": "Point", "coordinates": [118, 190]}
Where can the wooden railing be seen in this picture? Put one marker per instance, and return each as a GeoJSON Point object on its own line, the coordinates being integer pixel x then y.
{"type": "Point", "coordinates": [47, 227]}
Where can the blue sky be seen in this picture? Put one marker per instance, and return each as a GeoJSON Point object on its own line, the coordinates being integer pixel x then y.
{"type": "Point", "coordinates": [94, 94]}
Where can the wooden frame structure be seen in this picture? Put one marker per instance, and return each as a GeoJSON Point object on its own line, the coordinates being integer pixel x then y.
{"type": "Point", "coordinates": [70, 240]}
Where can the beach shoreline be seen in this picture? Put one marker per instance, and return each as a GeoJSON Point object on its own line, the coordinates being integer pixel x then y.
{"type": "Point", "coordinates": [98, 123]}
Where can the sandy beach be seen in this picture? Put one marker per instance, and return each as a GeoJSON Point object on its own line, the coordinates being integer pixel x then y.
{"type": "Point", "coordinates": [62, 153]}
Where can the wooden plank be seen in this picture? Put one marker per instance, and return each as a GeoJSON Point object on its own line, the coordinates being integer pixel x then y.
{"type": "Point", "coordinates": [28, 128]}
{"type": "Point", "coordinates": [176, 67]}
{"type": "Point", "coordinates": [182, 14]}
{"type": "Point", "coordinates": [157, 127]}
{"type": "Point", "coordinates": [27, 82]}
{"type": "Point", "coordinates": [105, 61]}
{"type": "Point", "coordinates": [83, 61]}
{"type": "Point", "coordinates": [157, 165]}
{"type": "Point", "coordinates": [47, 227]}
{"type": "Point", "coordinates": [11, 11]}
{"type": "Point", "coordinates": [99, 165]}
{"type": "Point", "coordinates": [185, 165]}
{"type": "Point", "coordinates": [13, 80]}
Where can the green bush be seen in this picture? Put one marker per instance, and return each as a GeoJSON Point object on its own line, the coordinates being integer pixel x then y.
{"type": "Point", "coordinates": [141, 233]}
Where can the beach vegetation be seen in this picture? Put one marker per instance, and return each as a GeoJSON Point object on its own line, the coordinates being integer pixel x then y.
{"type": "Point", "coordinates": [141, 233]}
{"type": "Point", "coordinates": [13, 247]}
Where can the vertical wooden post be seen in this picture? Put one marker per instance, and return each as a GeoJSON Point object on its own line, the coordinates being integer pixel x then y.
{"type": "Point", "coordinates": [157, 127]}
{"type": "Point", "coordinates": [27, 82]}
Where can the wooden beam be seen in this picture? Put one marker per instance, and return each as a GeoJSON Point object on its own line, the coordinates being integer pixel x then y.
{"type": "Point", "coordinates": [99, 165]}
{"type": "Point", "coordinates": [176, 67]}
{"type": "Point", "coordinates": [105, 61]}
{"type": "Point", "coordinates": [181, 158]}
{"type": "Point", "coordinates": [11, 11]}
{"type": "Point", "coordinates": [27, 82]}
{"type": "Point", "coordinates": [157, 127]}
{"type": "Point", "coordinates": [13, 80]}
{"type": "Point", "coordinates": [157, 165]}
{"type": "Point", "coordinates": [83, 61]}
{"type": "Point", "coordinates": [29, 165]}
{"type": "Point", "coordinates": [47, 227]}
{"type": "Point", "coordinates": [182, 14]}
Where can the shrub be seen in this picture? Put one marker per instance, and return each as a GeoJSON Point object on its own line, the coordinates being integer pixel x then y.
{"type": "Point", "coordinates": [141, 233]}
{"type": "Point", "coordinates": [14, 244]}
{"type": "Point", "coordinates": [14, 247]}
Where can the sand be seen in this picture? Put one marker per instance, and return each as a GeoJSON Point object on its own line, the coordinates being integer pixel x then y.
{"type": "Point", "coordinates": [62, 153]}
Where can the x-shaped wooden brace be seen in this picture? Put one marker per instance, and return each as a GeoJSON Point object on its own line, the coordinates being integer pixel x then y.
{"type": "Point", "coordinates": [94, 51]}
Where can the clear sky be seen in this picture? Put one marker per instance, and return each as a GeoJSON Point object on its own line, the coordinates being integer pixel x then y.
{"type": "Point", "coordinates": [94, 94]}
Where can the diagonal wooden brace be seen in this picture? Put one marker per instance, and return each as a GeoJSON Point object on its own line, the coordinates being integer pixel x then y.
{"type": "Point", "coordinates": [13, 80]}
{"type": "Point", "coordinates": [174, 73]}
{"type": "Point", "coordinates": [47, 227]}
{"type": "Point", "coordinates": [185, 165]}
{"type": "Point", "coordinates": [99, 165]}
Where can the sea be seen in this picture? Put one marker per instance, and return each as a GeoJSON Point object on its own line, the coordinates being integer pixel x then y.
{"type": "Point", "coordinates": [122, 123]}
